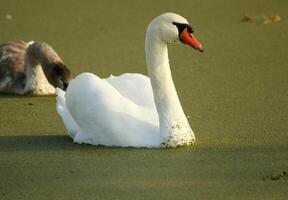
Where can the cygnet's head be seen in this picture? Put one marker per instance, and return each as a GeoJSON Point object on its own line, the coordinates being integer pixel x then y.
{"type": "Point", "coordinates": [171, 27]}
{"type": "Point", "coordinates": [58, 75]}
{"type": "Point", "coordinates": [54, 69]}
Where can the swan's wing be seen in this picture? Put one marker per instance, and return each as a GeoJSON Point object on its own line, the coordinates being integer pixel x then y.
{"type": "Point", "coordinates": [67, 118]}
{"type": "Point", "coordinates": [105, 116]}
{"type": "Point", "coordinates": [135, 87]}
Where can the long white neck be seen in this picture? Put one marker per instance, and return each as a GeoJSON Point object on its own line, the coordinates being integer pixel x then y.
{"type": "Point", "coordinates": [36, 81]}
{"type": "Point", "coordinates": [174, 127]}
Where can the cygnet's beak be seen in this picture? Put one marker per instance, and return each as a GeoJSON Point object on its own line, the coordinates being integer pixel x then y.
{"type": "Point", "coordinates": [66, 83]}
{"type": "Point", "coordinates": [65, 86]}
{"type": "Point", "coordinates": [189, 39]}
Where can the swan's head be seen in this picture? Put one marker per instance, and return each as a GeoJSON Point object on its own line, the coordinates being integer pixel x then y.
{"type": "Point", "coordinates": [58, 75]}
{"type": "Point", "coordinates": [171, 27]}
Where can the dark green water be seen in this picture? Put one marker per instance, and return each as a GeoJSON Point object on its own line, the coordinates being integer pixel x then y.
{"type": "Point", "coordinates": [236, 94]}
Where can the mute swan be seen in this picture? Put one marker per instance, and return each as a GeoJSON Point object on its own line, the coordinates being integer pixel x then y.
{"type": "Point", "coordinates": [126, 110]}
{"type": "Point", "coordinates": [33, 68]}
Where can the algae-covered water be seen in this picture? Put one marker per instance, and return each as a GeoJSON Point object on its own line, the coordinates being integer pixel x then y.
{"type": "Point", "coordinates": [235, 93]}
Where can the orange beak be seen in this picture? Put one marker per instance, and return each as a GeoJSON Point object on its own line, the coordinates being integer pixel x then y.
{"type": "Point", "coordinates": [189, 39]}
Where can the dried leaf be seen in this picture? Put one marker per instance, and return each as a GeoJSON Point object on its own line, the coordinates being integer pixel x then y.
{"type": "Point", "coordinates": [266, 20]}
{"type": "Point", "coordinates": [247, 18]}
{"type": "Point", "coordinates": [275, 18]}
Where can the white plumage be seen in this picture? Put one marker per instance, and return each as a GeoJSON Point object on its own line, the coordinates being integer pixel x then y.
{"type": "Point", "coordinates": [122, 111]}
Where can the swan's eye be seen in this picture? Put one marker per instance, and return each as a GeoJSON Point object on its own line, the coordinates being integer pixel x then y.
{"type": "Point", "coordinates": [190, 29]}
{"type": "Point", "coordinates": [181, 27]}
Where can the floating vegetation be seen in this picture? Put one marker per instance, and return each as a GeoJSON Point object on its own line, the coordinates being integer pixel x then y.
{"type": "Point", "coordinates": [276, 176]}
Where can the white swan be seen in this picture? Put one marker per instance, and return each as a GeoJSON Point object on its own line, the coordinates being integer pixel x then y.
{"type": "Point", "coordinates": [31, 68]}
{"type": "Point", "coordinates": [126, 110]}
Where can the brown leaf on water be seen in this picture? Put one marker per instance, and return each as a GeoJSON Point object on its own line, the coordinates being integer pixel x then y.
{"type": "Point", "coordinates": [271, 19]}
{"type": "Point", "coordinates": [275, 18]}
{"type": "Point", "coordinates": [266, 20]}
{"type": "Point", "coordinates": [247, 18]}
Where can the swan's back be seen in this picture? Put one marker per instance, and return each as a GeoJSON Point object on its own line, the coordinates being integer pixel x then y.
{"type": "Point", "coordinates": [105, 116]}
{"type": "Point", "coordinates": [135, 87]}
{"type": "Point", "coordinates": [12, 77]}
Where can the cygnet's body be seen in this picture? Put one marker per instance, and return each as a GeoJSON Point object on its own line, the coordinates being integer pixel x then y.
{"type": "Point", "coordinates": [31, 68]}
